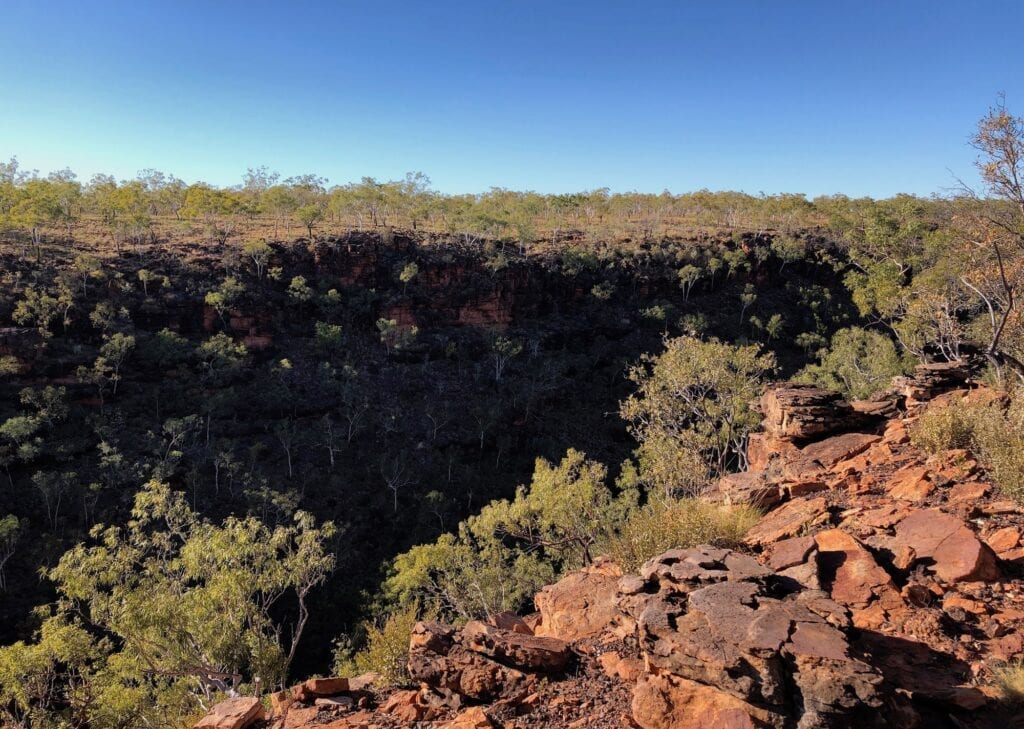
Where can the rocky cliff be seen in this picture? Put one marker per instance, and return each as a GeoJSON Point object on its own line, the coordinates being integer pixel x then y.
{"type": "Point", "coordinates": [880, 589]}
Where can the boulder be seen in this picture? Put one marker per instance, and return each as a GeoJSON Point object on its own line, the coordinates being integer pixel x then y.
{"type": "Point", "coordinates": [951, 549]}
{"type": "Point", "coordinates": [830, 451]}
{"type": "Point", "coordinates": [848, 570]}
{"type": "Point", "coordinates": [748, 487]}
{"type": "Point", "coordinates": [527, 652]}
{"type": "Point", "coordinates": [472, 718]}
{"type": "Point", "coordinates": [716, 618]}
{"type": "Point", "coordinates": [580, 605]}
{"type": "Point", "coordinates": [796, 411]}
{"type": "Point", "coordinates": [664, 701]}
{"type": "Point", "coordinates": [237, 713]}
{"type": "Point", "coordinates": [786, 521]}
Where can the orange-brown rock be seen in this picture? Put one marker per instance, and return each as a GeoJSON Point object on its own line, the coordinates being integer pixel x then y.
{"type": "Point", "coordinates": [786, 521]}
{"type": "Point", "coordinates": [237, 713]}
{"type": "Point", "coordinates": [709, 619]}
{"type": "Point", "coordinates": [911, 483]}
{"type": "Point", "coordinates": [748, 488]}
{"type": "Point", "coordinates": [526, 652]}
{"type": "Point", "coordinates": [580, 605]}
{"type": "Point", "coordinates": [1003, 540]}
{"type": "Point", "coordinates": [830, 451]}
{"type": "Point", "coordinates": [954, 552]}
{"type": "Point", "coordinates": [438, 658]}
{"type": "Point", "coordinates": [664, 701]}
{"type": "Point", "coordinates": [797, 411]}
{"type": "Point", "coordinates": [615, 666]}
{"type": "Point", "coordinates": [762, 448]}
{"type": "Point", "coordinates": [471, 718]}
{"type": "Point", "coordinates": [850, 573]}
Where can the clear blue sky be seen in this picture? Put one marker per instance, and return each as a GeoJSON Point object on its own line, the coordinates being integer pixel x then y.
{"type": "Point", "coordinates": [868, 97]}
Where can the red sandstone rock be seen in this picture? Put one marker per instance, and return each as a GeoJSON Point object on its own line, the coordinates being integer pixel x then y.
{"type": "Point", "coordinates": [237, 713]}
{"type": "Point", "coordinates": [854, 577]}
{"type": "Point", "coordinates": [799, 411]}
{"type": "Point", "coordinates": [838, 448]}
{"type": "Point", "coordinates": [955, 552]}
{"type": "Point", "coordinates": [580, 605]}
{"type": "Point", "coordinates": [664, 701]}
{"type": "Point", "coordinates": [1003, 540]}
{"type": "Point", "coordinates": [786, 521]}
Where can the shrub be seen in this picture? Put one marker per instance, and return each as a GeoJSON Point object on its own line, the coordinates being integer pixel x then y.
{"type": "Point", "coordinates": [942, 428]}
{"type": "Point", "coordinates": [1009, 678]}
{"type": "Point", "coordinates": [858, 363]}
{"type": "Point", "coordinates": [993, 433]}
{"type": "Point", "coordinates": [386, 649]}
{"type": "Point", "coordinates": [663, 525]}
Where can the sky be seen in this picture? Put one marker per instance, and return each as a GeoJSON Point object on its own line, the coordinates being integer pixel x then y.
{"type": "Point", "coordinates": [871, 97]}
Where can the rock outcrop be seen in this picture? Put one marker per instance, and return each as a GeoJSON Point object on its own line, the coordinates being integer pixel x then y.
{"type": "Point", "coordinates": [879, 589]}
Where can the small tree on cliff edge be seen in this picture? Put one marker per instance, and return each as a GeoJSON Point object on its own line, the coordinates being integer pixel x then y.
{"type": "Point", "coordinates": [693, 407]}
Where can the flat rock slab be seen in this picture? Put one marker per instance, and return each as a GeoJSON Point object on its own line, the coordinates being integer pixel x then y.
{"type": "Point", "coordinates": [955, 553]}
{"type": "Point", "coordinates": [237, 713]}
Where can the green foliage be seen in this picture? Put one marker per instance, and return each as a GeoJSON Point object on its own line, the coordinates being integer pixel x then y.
{"type": "Point", "coordinates": [667, 524]}
{"type": "Point", "coordinates": [186, 610]}
{"type": "Point", "coordinates": [694, 398]}
{"type": "Point", "coordinates": [993, 433]}
{"type": "Point", "coordinates": [386, 648]}
{"type": "Point", "coordinates": [299, 291]}
{"type": "Point", "coordinates": [500, 557]}
{"type": "Point", "coordinates": [859, 363]}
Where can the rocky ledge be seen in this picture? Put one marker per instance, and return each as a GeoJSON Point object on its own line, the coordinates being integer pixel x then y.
{"type": "Point", "coordinates": [880, 589]}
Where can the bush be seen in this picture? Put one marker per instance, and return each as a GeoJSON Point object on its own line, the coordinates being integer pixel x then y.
{"type": "Point", "coordinates": [940, 429]}
{"type": "Point", "coordinates": [993, 433]}
{"type": "Point", "coordinates": [386, 649]}
{"type": "Point", "coordinates": [858, 363]}
{"type": "Point", "coordinates": [1009, 678]}
{"type": "Point", "coordinates": [663, 525]}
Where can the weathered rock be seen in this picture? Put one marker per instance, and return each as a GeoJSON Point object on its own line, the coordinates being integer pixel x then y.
{"type": "Point", "coordinates": [438, 659]}
{"type": "Point", "coordinates": [580, 605]}
{"type": "Point", "coordinates": [712, 620]}
{"type": "Point", "coordinates": [932, 379]}
{"type": "Point", "coordinates": [911, 483]}
{"type": "Point", "coordinates": [830, 451]}
{"type": "Point", "coordinates": [763, 448]}
{"type": "Point", "coordinates": [664, 701]}
{"type": "Point", "coordinates": [797, 411]}
{"type": "Point", "coordinates": [790, 552]}
{"type": "Point", "coordinates": [314, 687]}
{"type": "Point", "coordinates": [786, 521]}
{"type": "Point", "coordinates": [526, 652]}
{"type": "Point", "coordinates": [954, 552]}
{"type": "Point", "coordinates": [748, 488]}
{"type": "Point", "coordinates": [471, 718]}
{"type": "Point", "coordinates": [1003, 540]}
{"type": "Point", "coordinates": [615, 666]}
{"type": "Point", "coordinates": [237, 713]}
{"type": "Point", "coordinates": [850, 572]}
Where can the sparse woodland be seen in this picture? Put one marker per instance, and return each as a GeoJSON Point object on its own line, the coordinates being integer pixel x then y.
{"type": "Point", "coordinates": [287, 419]}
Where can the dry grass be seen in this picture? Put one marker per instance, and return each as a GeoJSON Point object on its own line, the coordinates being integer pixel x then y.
{"type": "Point", "coordinates": [1009, 678]}
{"type": "Point", "coordinates": [993, 433]}
{"type": "Point", "coordinates": [688, 522]}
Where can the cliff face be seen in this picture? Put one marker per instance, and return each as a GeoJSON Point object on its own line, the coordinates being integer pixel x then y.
{"type": "Point", "coordinates": [879, 590]}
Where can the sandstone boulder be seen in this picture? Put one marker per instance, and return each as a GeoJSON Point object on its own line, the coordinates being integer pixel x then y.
{"type": "Point", "coordinates": [527, 652]}
{"type": "Point", "coordinates": [438, 659]}
{"type": "Point", "coordinates": [949, 546]}
{"type": "Point", "coordinates": [237, 713]}
{"type": "Point", "coordinates": [796, 411]}
{"type": "Point", "coordinates": [715, 618]}
{"type": "Point", "coordinates": [580, 605]}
